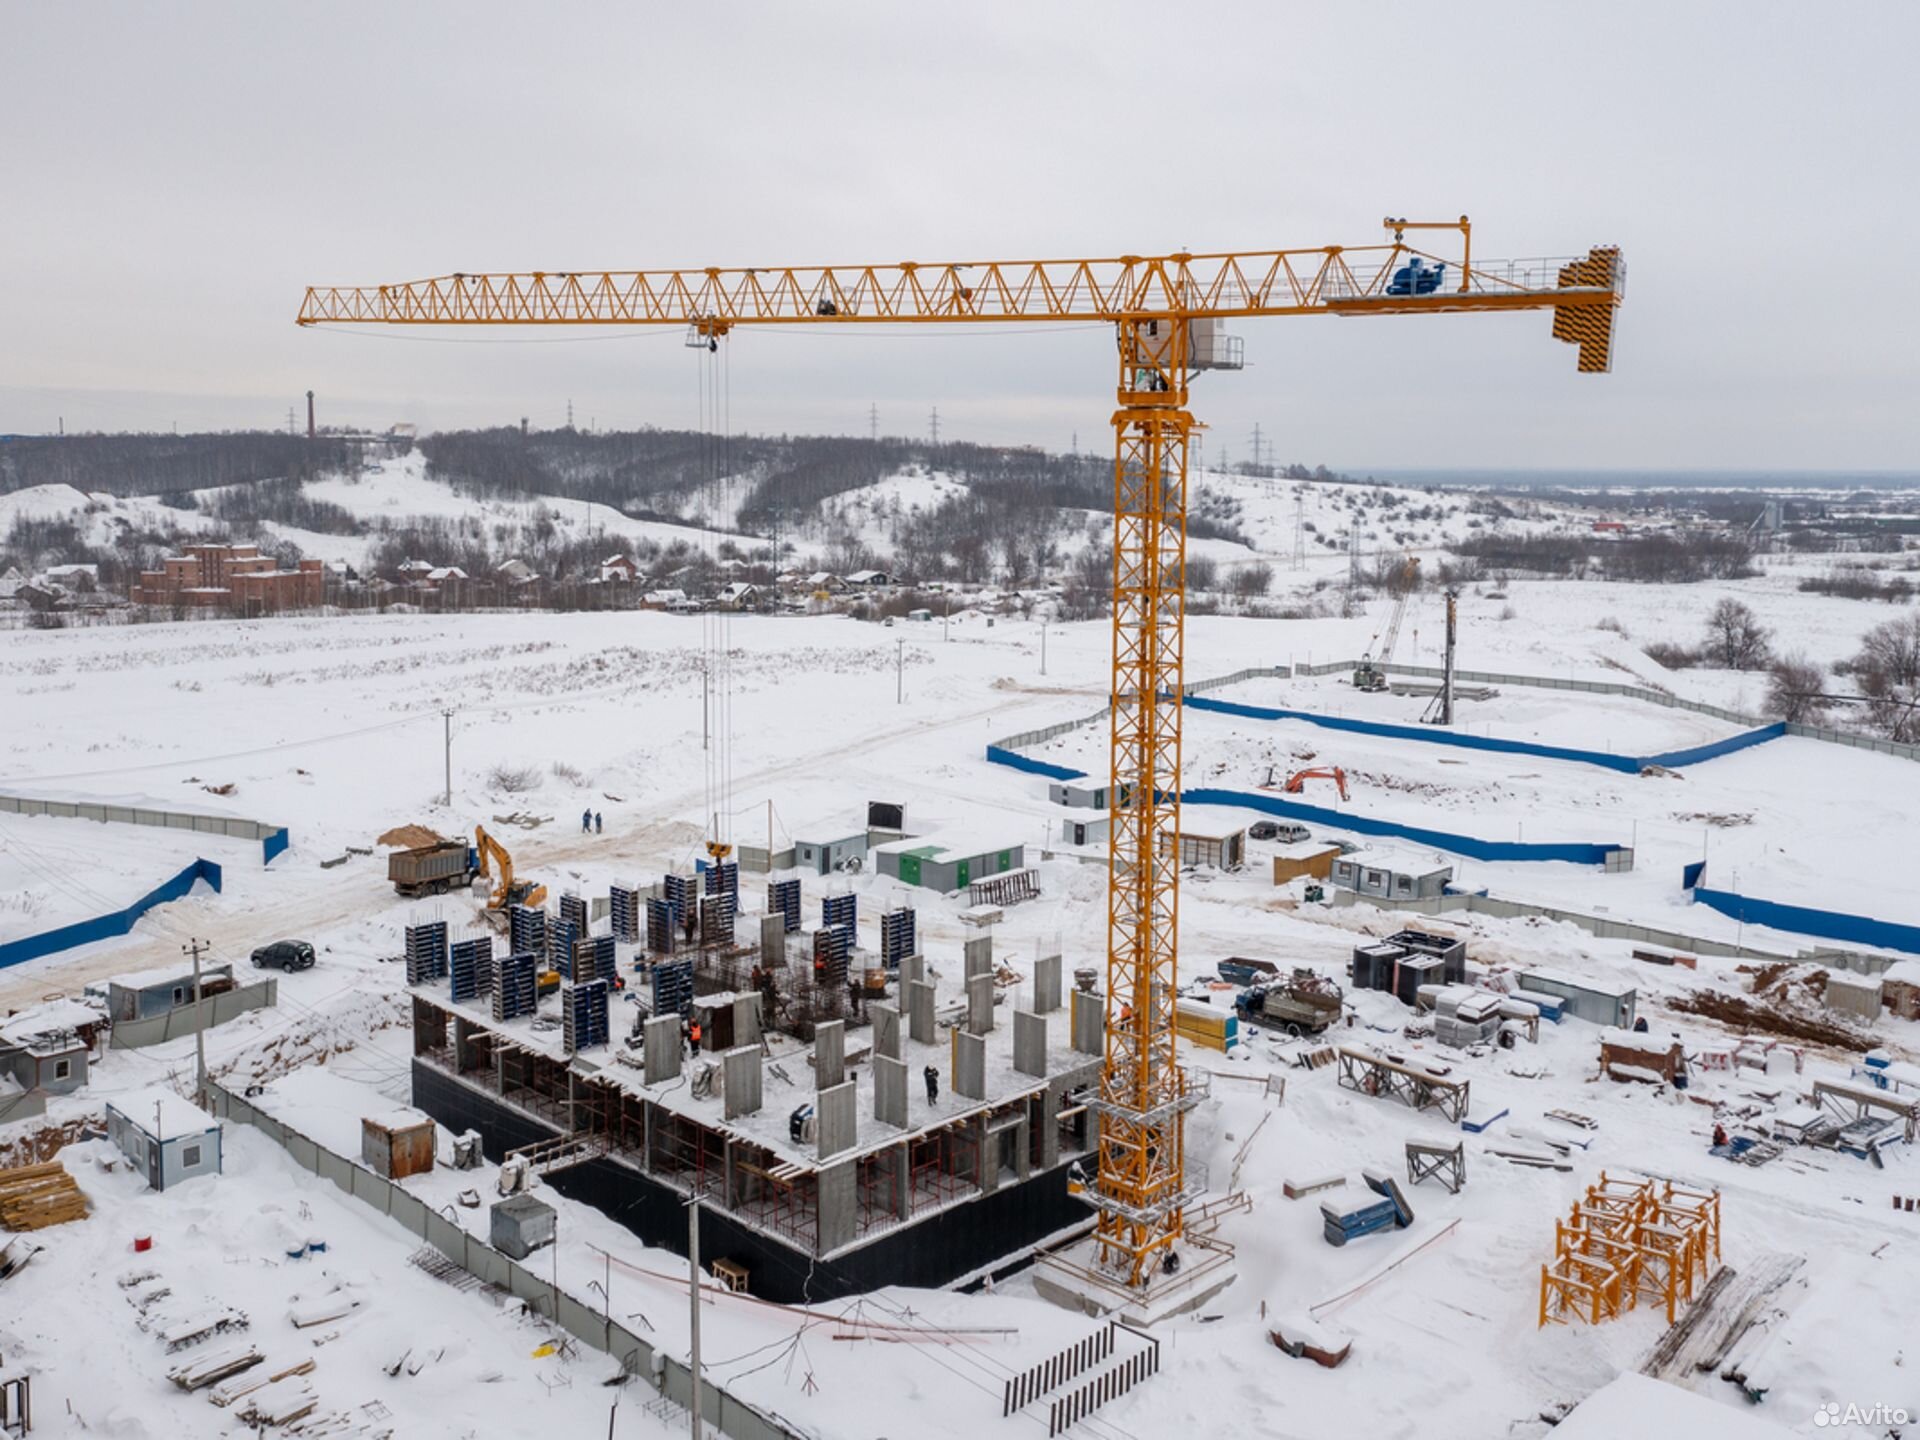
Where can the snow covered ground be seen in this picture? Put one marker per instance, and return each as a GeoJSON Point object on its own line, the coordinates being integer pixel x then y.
{"type": "Point", "coordinates": [334, 727]}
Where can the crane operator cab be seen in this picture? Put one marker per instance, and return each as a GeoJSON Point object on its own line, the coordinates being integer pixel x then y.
{"type": "Point", "coordinates": [1416, 277]}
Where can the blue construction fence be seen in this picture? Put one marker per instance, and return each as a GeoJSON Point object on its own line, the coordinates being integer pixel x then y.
{"type": "Point", "coordinates": [106, 927]}
{"type": "Point", "coordinates": [1470, 846]}
{"type": "Point", "coordinates": [1426, 735]}
{"type": "Point", "coordinates": [1859, 930]}
{"type": "Point", "coordinates": [1013, 759]}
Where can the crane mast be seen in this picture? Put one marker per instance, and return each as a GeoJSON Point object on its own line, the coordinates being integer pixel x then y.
{"type": "Point", "coordinates": [1168, 313]}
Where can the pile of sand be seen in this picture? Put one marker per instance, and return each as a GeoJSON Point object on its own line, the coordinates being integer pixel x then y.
{"type": "Point", "coordinates": [409, 837]}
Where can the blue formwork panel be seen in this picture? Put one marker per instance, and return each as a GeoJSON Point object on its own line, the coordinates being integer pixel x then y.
{"type": "Point", "coordinates": [897, 936]}
{"type": "Point", "coordinates": [471, 962]}
{"type": "Point", "coordinates": [593, 958]}
{"type": "Point", "coordinates": [515, 978]}
{"type": "Point", "coordinates": [831, 946]}
{"type": "Point", "coordinates": [783, 899]}
{"type": "Point", "coordinates": [682, 891]}
{"type": "Point", "coordinates": [623, 909]}
{"type": "Point", "coordinates": [724, 879]}
{"type": "Point", "coordinates": [583, 1014]}
{"type": "Point", "coordinates": [659, 927]}
{"type": "Point", "coordinates": [716, 919]}
{"type": "Point", "coordinates": [672, 987]}
{"type": "Point", "coordinates": [527, 931]}
{"type": "Point", "coordinates": [426, 952]}
{"type": "Point", "coordinates": [840, 910]}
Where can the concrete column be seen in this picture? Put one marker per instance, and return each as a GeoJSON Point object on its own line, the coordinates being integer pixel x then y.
{"type": "Point", "coordinates": [836, 1120]}
{"type": "Point", "coordinates": [1044, 1114]}
{"type": "Point", "coordinates": [1046, 984]}
{"type": "Point", "coordinates": [741, 1079]}
{"type": "Point", "coordinates": [1029, 1043]}
{"type": "Point", "coordinates": [662, 1049]}
{"type": "Point", "coordinates": [970, 1066]}
{"type": "Point", "coordinates": [979, 1004]}
{"type": "Point", "coordinates": [829, 1054]}
{"type": "Point", "coordinates": [886, 1031]}
{"type": "Point", "coordinates": [920, 1012]}
{"type": "Point", "coordinates": [979, 956]}
{"type": "Point", "coordinates": [1089, 1021]}
{"type": "Point", "coordinates": [839, 1206]}
{"type": "Point", "coordinates": [913, 969]}
{"type": "Point", "coordinates": [890, 1091]}
{"type": "Point", "coordinates": [901, 1186]}
{"type": "Point", "coordinates": [746, 1020]}
{"type": "Point", "coordinates": [773, 940]}
{"type": "Point", "coordinates": [462, 1039]}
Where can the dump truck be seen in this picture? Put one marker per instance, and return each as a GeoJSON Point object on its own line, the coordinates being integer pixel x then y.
{"type": "Point", "coordinates": [1303, 1004]}
{"type": "Point", "coordinates": [433, 869]}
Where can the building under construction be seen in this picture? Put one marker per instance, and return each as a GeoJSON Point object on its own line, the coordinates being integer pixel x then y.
{"type": "Point", "coordinates": [900, 1125]}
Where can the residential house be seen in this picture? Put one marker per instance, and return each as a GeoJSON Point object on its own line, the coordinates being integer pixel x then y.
{"type": "Point", "coordinates": [868, 579]}
{"type": "Point", "coordinates": [515, 573]}
{"type": "Point", "coordinates": [76, 579]}
{"type": "Point", "coordinates": [738, 595]}
{"type": "Point", "coordinates": [618, 569]}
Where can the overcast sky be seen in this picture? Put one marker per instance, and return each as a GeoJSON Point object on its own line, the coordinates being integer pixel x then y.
{"type": "Point", "coordinates": [173, 176]}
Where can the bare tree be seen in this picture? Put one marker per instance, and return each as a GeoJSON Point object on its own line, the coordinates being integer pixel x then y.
{"type": "Point", "coordinates": [1888, 669]}
{"type": "Point", "coordinates": [1794, 691]}
{"type": "Point", "coordinates": [1736, 640]}
{"type": "Point", "coordinates": [1250, 582]}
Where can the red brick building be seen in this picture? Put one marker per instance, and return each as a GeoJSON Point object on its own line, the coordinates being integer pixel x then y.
{"type": "Point", "coordinates": [235, 577]}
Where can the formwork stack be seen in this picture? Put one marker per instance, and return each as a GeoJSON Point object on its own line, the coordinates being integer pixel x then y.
{"type": "Point", "coordinates": [514, 979]}
{"type": "Point", "coordinates": [472, 968]}
{"type": "Point", "coordinates": [426, 952]}
{"type": "Point", "coordinates": [1627, 1242]}
{"type": "Point", "coordinates": [897, 937]}
{"type": "Point", "coordinates": [783, 899]}
{"type": "Point", "coordinates": [527, 931]}
{"type": "Point", "coordinates": [625, 914]}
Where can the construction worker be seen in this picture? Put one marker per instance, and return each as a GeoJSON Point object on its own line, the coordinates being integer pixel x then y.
{"type": "Point", "coordinates": [693, 1033]}
{"type": "Point", "coordinates": [1719, 1136]}
{"type": "Point", "coordinates": [586, 821]}
{"type": "Point", "coordinates": [596, 822]}
{"type": "Point", "coordinates": [933, 1085]}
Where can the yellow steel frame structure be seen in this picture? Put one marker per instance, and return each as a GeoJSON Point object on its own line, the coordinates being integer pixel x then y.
{"type": "Point", "coordinates": [1143, 1185]}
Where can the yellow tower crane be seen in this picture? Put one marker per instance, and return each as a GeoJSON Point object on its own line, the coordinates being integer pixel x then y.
{"type": "Point", "coordinates": [1169, 313]}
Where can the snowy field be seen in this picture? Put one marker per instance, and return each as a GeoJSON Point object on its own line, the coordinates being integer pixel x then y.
{"type": "Point", "coordinates": [334, 728]}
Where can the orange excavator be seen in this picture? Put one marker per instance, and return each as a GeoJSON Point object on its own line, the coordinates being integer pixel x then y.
{"type": "Point", "coordinates": [508, 891]}
{"type": "Point", "coordinates": [1297, 782]}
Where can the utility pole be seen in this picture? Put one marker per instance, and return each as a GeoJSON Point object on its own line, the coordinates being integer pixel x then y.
{"type": "Point", "coordinates": [196, 948]}
{"type": "Point", "coordinates": [1299, 532]}
{"type": "Point", "coordinates": [693, 1292]}
{"type": "Point", "coordinates": [706, 696]}
{"type": "Point", "coordinates": [310, 429]}
{"type": "Point", "coordinates": [1043, 646]}
{"type": "Point", "coordinates": [446, 717]}
{"type": "Point", "coordinates": [899, 673]}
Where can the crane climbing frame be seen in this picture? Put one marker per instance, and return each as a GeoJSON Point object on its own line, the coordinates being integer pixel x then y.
{"type": "Point", "coordinates": [1167, 312]}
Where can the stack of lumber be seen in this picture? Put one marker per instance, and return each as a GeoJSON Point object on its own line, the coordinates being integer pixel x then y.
{"type": "Point", "coordinates": [36, 1196]}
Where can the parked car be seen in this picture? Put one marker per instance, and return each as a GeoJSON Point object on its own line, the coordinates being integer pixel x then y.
{"type": "Point", "coordinates": [1290, 831]}
{"type": "Point", "coordinates": [284, 955]}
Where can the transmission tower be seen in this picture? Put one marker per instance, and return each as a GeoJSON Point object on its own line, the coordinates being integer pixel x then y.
{"type": "Point", "coordinates": [936, 426]}
{"type": "Point", "coordinates": [1255, 468]}
{"type": "Point", "coordinates": [873, 423]}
